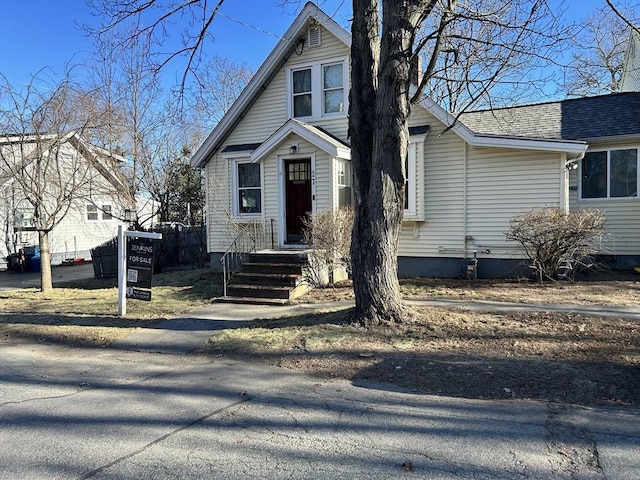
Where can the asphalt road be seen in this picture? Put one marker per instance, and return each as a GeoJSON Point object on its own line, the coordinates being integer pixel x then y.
{"type": "Point", "coordinates": [103, 414]}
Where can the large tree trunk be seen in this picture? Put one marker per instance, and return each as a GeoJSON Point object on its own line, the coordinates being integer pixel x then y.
{"type": "Point", "coordinates": [379, 112]}
{"type": "Point", "coordinates": [46, 284]}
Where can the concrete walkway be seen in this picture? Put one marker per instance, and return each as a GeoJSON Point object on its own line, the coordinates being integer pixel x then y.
{"type": "Point", "coordinates": [190, 333]}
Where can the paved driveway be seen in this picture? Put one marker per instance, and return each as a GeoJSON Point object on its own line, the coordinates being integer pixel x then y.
{"type": "Point", "coordinates": [12, 280]}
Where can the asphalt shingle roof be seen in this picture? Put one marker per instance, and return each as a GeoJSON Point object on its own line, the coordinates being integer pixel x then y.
{"type": "Point", "coordinates": [574, 119]}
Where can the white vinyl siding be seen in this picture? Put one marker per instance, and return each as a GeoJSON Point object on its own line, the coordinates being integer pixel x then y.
{"type": "Point", "coordinates": [439, 169]}
{"type": "Point", "coordinates": [504, 182]}
{"type": "Point", "coordinates": [622, 214]}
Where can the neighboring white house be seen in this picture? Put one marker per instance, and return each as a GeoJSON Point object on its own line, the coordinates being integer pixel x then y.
{"type": "Point", "coordinates": [631, 74]}
{"type": "Point", "coordinates": [282, 150]}
{"type": "Point", "coordinates": [98, 203]}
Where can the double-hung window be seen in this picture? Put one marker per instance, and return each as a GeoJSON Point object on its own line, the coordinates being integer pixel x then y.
{"type": "Point", "coordinates": [248, 189]}
{"type": "Point", "coordinates": [106, 212]}
{"type": "Point", "coordinates": [318, 90]}
{"type": "Point", "coordinates": [302, 94]}
{"type": "Point", "coordinates": [610, 174]}
{"type": "Point", "coordinates": [344, 183]}
{"type": "Point", "coordinates": [411, 178]}
{"type": "Point", "coordinates": [92, 212]}
{"type": "Point", "coordinates": [333, 88]}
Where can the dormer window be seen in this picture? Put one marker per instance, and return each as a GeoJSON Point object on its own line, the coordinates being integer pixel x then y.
{"type": "Point", "coordinates": [318, 90]}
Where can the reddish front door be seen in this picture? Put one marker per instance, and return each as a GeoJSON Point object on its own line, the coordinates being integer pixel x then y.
{"type": "Point", "coordinates": [297, 196]}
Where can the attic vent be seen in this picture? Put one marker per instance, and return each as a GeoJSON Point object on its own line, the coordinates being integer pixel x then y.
{"type": "Point", "coordinates": [315, 39]}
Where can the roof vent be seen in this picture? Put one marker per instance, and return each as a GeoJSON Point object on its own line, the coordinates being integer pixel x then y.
{"type": "Point", "coordinates": [315, 39]}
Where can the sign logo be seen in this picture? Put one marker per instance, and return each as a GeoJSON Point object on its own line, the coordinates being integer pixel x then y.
{"type": "Point", "coordinates": [139, 268]}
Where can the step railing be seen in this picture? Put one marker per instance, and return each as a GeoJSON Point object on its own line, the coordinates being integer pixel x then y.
{"type": "Point", "coordinates": [251, 237]}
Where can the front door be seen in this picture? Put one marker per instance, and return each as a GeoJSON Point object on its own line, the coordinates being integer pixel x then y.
{"type": "Point", "coordinates": [297, 196]}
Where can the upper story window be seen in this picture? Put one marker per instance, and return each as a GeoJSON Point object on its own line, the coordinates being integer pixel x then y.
{"type": "Point", "coordinates": [318, 90]}
{"type": "Point", "coordinates": [333, 88]}
{"type": "Point", "coordinates": [610, 174]}
{"type": "Point", "coordinates": [302, 106]}
{"type": "Point", "coordinates": [93, 212]}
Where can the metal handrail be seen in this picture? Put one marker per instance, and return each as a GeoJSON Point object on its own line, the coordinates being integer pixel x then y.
{"type": "Point", "coordinates": [242, 244]}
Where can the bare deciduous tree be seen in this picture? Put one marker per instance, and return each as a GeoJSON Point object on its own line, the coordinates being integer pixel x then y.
{"type": "Point", "coordinates": [45, 159]}
{"type": "Point", "coordinates": [598, 54]}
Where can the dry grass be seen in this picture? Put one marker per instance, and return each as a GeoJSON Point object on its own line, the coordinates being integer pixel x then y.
{"type": "Point", "coordinates": [561, 357]}
{"type": "Point", "coordinates": [86, 313]}
{"type": "Point", "coordinates": [622, 291]}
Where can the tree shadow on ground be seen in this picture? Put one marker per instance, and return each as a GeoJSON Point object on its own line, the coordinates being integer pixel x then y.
{"type": "Point", "coordinates": [565, 359]}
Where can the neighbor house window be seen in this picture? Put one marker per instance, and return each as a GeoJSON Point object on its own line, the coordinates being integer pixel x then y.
{"type": "Point", "coordinates": [318, 90]}
{"type": "Point", "coordinates": [92, 212]}
{"type": "Point", "coordinates": [610, 174]}
{"type": "Point", "coordinates": [344, 183]}
{"type": "Point", "coordinates": [248, 195]}
{"type": "Point", "coordinates": [106, 212]}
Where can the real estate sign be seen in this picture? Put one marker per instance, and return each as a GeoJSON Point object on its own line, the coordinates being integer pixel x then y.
{"type": "Point", "coordinates": [139, 268]}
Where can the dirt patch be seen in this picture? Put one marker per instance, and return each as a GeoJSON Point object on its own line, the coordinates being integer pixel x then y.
{"type": "Point", "coordinates": [560, 357]}
{"type": "Point", "coordinates": [620, 289]}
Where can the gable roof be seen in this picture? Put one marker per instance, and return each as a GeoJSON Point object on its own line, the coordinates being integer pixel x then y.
{"type": "Point", "coordinates": [606, 116]}
{"type": "Point", "coordinates": [285, 47]}
{"type": "Point", "coordinates": [266, 72]}
{"type": "Point", "coordinates": [312, 134]}
{"type": "Point", "coordinates": [102, 160]}
{"type": "Point", "coordinates": [573, 148]}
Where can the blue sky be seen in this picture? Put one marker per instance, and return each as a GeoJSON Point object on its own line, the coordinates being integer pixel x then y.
{"type": "Point", "coordinates": [35, 34]}
{"type": "Point", "coordinates": [45, 33]}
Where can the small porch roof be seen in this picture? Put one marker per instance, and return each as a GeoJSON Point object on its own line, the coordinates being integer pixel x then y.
{"type": "Point", "coordinates": [312, 134]}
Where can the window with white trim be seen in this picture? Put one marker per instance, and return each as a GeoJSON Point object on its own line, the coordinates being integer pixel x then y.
{"type": "Point", "coordinates": [344, 182]}
{"type": "Point", "coordinates": [610, 174]}
{"type": "Point", "coordinates": [92, 212]}
{"type": "Point", "coordinates": [302, 104]}
{"type": "Point", "coordinates": [318, 90]}
{"type": "Point", "coordinates": [247, 188]}
{"type": "Point", "coordinates": [333, 88]}
{"type": "Point", "coordinates": [410, 190]}
{"type": "Point", "coordinates": [106, 212]}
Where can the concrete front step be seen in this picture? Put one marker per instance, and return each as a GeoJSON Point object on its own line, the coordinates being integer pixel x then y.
{"type": "Point", "coordinates": [269, 277]}
{"type": "Point", "coordinates": [252, 300]}
{"type": "Point", "coordinates": [276, 268]}
{"type": "Point", "coordinates": [279, 257]}
{"type": "Point", "coordinates": [259, 291]}
{"type": "Point", "coordinates": [266, 279]}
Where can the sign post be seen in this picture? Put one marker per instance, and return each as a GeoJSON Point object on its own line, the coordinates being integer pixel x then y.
{"type": "Point", "coordinates": [135, 266]}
